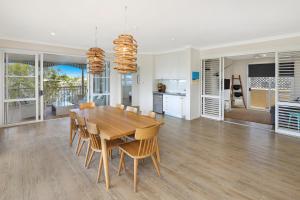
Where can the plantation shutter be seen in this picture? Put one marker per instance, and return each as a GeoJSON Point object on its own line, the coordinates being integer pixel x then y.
{"type": "Point", "coordinates": [212, 87]}
{"type": "Point", "coordinates": [288, 93]}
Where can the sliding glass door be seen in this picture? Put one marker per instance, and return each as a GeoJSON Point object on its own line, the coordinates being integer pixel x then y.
{"type": "Point", "coordinates": [20, 88]}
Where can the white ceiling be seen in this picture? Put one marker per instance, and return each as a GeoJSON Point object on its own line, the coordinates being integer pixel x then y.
{"type": "Point", "coordinates": [197, 23]}
{"type": "Point", "coordinates": [253, 56]}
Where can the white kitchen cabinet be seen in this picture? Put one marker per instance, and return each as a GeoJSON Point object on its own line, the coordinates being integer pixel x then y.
{"type": "Point", "coordinates": [174, 105]}
{"type": "Point", "coordinates": [170, 66]}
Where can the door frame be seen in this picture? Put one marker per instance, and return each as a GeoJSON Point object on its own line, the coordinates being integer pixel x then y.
{"type": "Point", "coordinates": [3, 63]}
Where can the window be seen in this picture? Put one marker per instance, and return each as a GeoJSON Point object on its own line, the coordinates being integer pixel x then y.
{"type": "Point", "coordinates": [101, 87]}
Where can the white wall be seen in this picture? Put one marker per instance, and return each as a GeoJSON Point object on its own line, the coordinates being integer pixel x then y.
{"type": "Point", "coordinates": [115, 87]}
{"type": "Point", "coordinates": [195, 87]}
{"type": "Point", "coordinates": [286, 44]}
{"type": "Point", "coordinates": [135, 88]}
{"type": "Point", "coordinates": [9, 44]}
{"type": "Point", "coordinates": [240, 67]}
{"type": "Point", "coordinates": [146, 73]}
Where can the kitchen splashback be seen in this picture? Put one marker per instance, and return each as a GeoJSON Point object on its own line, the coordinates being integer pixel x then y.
{"type": "Point", "coordinates": [174, 86]}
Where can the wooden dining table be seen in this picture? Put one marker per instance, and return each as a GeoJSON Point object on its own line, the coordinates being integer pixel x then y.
{"type": "Point", "coordinates": [114, 123]}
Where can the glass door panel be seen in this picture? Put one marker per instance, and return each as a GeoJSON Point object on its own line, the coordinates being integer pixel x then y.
{"type": "Point", "coordinates": [99, 89]}
{"type": "Point", "coordinates": [20, 93]}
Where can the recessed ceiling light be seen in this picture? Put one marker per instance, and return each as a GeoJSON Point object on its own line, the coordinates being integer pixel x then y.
{"type": "Point", "coordinates": [52, 33]}
{"type": "Point", "coordinates": [172, 39]}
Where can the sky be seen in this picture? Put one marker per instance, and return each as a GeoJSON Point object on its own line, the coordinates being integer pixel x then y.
{"type": "Point", "coordinates": [69, 70]}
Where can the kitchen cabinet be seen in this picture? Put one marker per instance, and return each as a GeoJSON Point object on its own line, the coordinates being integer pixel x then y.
{"type": "Point", "coordinates": [170, 66]}
{"type": "Point", "coordinates": [174, 105]}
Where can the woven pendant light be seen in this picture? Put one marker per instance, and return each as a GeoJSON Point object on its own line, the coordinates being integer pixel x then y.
{"type": "Point", "coordinates": [125, 52]}
{"type": "Point", "coordinates": [95, 57]}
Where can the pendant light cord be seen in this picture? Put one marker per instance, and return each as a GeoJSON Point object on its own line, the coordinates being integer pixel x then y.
{"type": "Point", "coordinates": [96, 36]}
{"type": "Point", "coordinates": [125, 19]}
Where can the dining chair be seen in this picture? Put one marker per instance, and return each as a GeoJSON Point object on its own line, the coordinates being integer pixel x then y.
{"type": "Point", "coordinates": [152, 114]}
{"type": "Point", "coordinates": [120, 106]}
{"type": "Point", "coordinates": [144, 146]}
{"type": "Point", "coordinates": [83, 136]}
{"type": "Point", "coordinates": [95, 146]}
{"type": "Point", "coordinates": [73, 126]}
{"type": "Point", "coordinates": [131, 109]}
{"type": "Point", "coordinates": [87, 105]}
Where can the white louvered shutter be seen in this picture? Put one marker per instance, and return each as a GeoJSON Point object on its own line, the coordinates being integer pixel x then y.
{"type": "Point", "coordinates": [288, 93]}
{"type": "Point", "coordinates": [212, 88]}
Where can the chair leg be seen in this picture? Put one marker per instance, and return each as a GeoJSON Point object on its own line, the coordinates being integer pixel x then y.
{"type": "Point", "coordinates": [157, 153]}
{"type": "Point", "coordinates": [71, 136]}
{"type": "Point", "coordinates": [121, 162]}
{"type": "Point", "coordinates": [136, 163]}
{"type": "Point", "coordinates": [110, 154]}
{"type": "Point", "coordinates": [90, 159]}
{"type": "Point", "coordinates": [100, 168]}
{"type": "Point", "coordinates": [155, 165]}
{"type": "Point", "coordinates": [74, 135]}
{"type": "Point", "coordinates": [78, 144]}
{"type": "Point", "coordinates": [80, 148]}
{"type": "Point", "coordinates": [87, 153]}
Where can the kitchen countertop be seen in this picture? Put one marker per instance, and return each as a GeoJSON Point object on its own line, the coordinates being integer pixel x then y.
{"type": "Point", "coordinates": [170, 93]}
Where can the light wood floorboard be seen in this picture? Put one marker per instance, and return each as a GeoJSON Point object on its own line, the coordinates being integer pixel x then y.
{"type": "Point", "coordinates": [200, 159]}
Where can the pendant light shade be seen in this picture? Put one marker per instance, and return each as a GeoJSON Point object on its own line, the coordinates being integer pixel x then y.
{"type": "Point", "coordinates": [125, 54]}
{"type": "Point", "coordinates": [96, 60]}
{"type": "Point", "coordinates": [95, 57]}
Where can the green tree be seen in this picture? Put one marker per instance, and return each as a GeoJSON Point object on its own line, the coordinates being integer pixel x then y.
{"type": "Point", "coordinates": [19, 81]}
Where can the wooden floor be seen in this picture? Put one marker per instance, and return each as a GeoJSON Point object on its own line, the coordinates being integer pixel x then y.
{"type": "Point", "coordinates": [201, 159]}
{"type": "Point", "coordinates": [242, 114]}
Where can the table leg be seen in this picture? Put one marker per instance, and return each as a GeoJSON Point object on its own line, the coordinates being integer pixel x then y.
{"type": "Point", "coordinates": [105, 162]}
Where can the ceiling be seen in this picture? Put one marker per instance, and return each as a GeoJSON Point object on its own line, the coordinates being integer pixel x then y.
{"type": "Point", "coordinates": [158, 25]}
{"type": "Point", "coordinates": [253, 56]}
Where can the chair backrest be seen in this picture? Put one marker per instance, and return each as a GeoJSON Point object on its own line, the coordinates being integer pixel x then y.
{"type": "Point", "coordinates": [87, 105]}
{"type": "Point", "coordinates": [152, 115]}
{"type": "Point", "coordinates": [73, 120]}
{"type": "Point", "coordinates": [82, 126]}
{"type": "Point", "coordinates": [121, 106]}
{"type": "Point", "coordinates": [94, 135]}
{"type": "Point", "coordinates": [132, 109]}
{"type": "Point", "coordinates": [148, 140]}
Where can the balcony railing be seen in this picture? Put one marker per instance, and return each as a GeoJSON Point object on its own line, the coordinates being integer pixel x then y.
{"type": "Point", "coordinates": [73, 95]}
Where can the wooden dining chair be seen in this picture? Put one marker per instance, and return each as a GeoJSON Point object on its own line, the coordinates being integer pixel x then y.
{"type": "Point", "coordinates": [152, 114]}
{"type": "Point", "coordinates": [87, 105]}
{"type": "Point", "coordinates": [144, 146]}
{"type": "Point", "coordinates": [120, 106]}
{"type": "Point", "coordinates": [95, 145]}
{"type": "Point", "coordinates": [73, 126]}
{"type": "Point", "coordinates": [131, 109]}
{"type": "Point", "coordinates": [83, 136]}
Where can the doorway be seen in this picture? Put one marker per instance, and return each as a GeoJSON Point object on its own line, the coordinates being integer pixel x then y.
{"type": "Point", "coordinates": [249, 95]}
{"type": "Point", "coordinates": [64, 84]}
{"type": "Point", "coordinates": [127, 89]}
